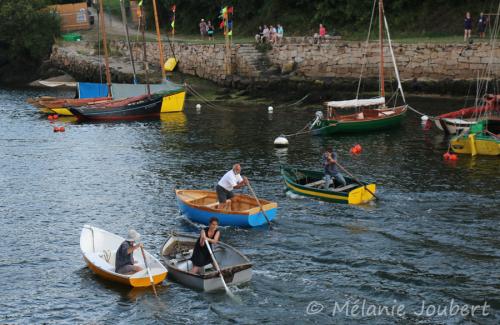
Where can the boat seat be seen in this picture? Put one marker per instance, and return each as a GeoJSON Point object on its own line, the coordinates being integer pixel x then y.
{"type": "Point", "coordinates": [98, 260]}
{"type": "Point", "coordinates": [211, 205]}
{"type": "Point", "coordinates": [347, 187]}
{"type": "Point", "coordinates": [317, 183]}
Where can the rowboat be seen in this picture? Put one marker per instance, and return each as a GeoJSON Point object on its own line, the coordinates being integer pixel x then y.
{"type": "Point", "coordinates": [99, 250]}
{"type": "Point", "coordinates": [200, 205]}
{"type": "Point", "coordinates": [310, 183]}
{"type": "Point", "coordinates": [236, 268]}
{"type": "Point", "coordinates": [134, 108]}
{"type": "Point", "coordinates": [364, 115]}
{"type": "Point", "coordinates": [483, 138]}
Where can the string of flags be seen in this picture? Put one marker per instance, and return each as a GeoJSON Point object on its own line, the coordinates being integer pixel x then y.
{"type": "Point", "coordinates": [173, 8]}
{"type": "Point", "coordinates": [226, 14]}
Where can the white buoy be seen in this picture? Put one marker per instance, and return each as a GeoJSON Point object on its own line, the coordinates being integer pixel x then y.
{"type": "Point", "coordinates": [270, 109]}
{"type": "Point", "coordinates": [198, 106]}
{"type": "Point", "coordinates": [281, 141]}
{"type": "Point", "coordinates": [424, 118]}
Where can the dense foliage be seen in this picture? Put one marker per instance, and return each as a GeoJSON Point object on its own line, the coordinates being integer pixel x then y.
{"type": "Point", "coordinates": [27, 31]}
{"type": "Point", "coordinates": [300, 17]}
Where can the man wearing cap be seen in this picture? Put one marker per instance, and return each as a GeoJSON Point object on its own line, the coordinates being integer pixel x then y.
{"type": "Point", "coordinates": [231, 180]}
{"type": "Point", "coordinates": [124, 261]}
{"type": "Point", "coordinates": [331, 171]}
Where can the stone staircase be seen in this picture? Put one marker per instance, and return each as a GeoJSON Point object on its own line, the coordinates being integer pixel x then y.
{"type": "Point", "coordinates": [252, 63]}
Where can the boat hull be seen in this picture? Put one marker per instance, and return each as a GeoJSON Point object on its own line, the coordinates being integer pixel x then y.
{"type": "Point", "coordinates": [144, 109]}
{"type": "Point", "coordinates": [453, 126]}
{"type": "Point", "coordinates": [252, 217]}
{"type": "Point", "coordinates": [476, 145]}
{"type": "Point", "coordinates": [329, 127]}
{"type": "Point", "coordinates": [354, 195]}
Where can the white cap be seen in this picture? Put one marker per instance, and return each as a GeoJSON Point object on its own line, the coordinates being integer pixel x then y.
{"type": "Point", "coordinates": [133, 235]}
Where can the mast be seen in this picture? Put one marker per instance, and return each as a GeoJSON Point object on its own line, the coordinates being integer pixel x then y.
{"type": "Point", "coordinates": [146, 66]}
{"type": "Point", "coordinates": [381, 40]}
{"type": "Point", "coordinates": [124, 21]}
{"type": "Point", "coordinates": [106, 60]}
{"type": "Point", "coordinates": [162, 62]}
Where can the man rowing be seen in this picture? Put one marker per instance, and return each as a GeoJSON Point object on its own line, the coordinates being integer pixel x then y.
{"type": "Point", "coordinates": [330, 168]}
{"type": "Point", "coordinates": [231, 180]}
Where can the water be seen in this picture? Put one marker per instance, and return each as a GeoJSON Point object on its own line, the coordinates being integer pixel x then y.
{"type": "Point", "coordinates": [433, 236]}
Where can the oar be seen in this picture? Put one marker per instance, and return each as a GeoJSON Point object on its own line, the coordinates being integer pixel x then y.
{"type": "Point", "coordinates": [356, 180]}
{"type": "Point", "coordinates": [229, 293]}
{"type": "Point", "coordinates": [260, 205]}
{"type": "Point", "coordinates": [149, 271]}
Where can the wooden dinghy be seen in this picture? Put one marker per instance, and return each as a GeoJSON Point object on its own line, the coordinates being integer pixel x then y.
{"type": "Point", "coordinates": [200, 205]}
{"type": "Point", "coordinates": [99, 250]}
{"type": "Point", "coordinates": [236, 268]}
{"type": "Point", "coordinates": [311, 183]}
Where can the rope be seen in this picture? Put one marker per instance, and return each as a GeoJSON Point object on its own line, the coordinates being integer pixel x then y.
{"type": "Point", "coordinates": [300, 101]}
{"type": "Point", "coordinates": [414, 110]}
{"type": "Point", "coordinates": [200, 96]}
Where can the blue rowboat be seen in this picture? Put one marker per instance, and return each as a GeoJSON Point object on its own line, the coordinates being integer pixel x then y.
{"type": "Point", "coordinates": [199, 206]}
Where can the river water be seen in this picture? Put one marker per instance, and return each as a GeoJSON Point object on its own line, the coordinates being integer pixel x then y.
{"type": "Point", "coordinates": [432, 238]}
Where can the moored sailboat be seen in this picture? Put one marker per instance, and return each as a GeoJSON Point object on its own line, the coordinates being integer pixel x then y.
{"type": "Point", "coordinates": [365, 114]}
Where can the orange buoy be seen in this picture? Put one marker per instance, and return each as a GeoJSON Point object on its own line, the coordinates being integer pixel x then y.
{"type": "Point", "coordinates": [446, 155]}
{"type": "Point", "coordinates": [453, 156]}
{"type": "Point", "coordinates": [56, 129]}
{"type": "Point", "coordinates": [50, 117]}
{"type": "Point", "coordinates": [62, 129]}
{"type": "Point", "coordinates": [55, 116]}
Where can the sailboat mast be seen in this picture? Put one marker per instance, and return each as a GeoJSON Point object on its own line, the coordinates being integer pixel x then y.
{"type": "Point", "coordinates": [106, 59]}
{"type": "Point", "coordinates": [381, 40]}
{"type": "Point", "coordinates": [145, 58]}
{"type": "Point", "coordinates": [160, 46]}
{"type": "Point", "coordinates": [124, 21]}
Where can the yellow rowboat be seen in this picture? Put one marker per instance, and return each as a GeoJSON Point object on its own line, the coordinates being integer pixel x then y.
{"type": "Point", "coordinates": [482, 139]}
{"type": "Point", "coordinates": [311, 183]}
{"type": "Point", "coordinates": [99, 248]}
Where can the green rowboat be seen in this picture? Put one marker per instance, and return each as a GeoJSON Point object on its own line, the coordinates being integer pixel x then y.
{"type": "Point", "coordinates": [310, 183]}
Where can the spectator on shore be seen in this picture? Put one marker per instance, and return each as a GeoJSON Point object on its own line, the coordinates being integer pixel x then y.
{"type": "Point", "coordinates": [467, 26]}
{"type": "Point", "coordinates": [210, 31]}
{"type": "Point", "coordinates": [265, 34]}
{"type": "Point", "coordinates": [203, 28]}
{"type": "Point", "coordinates": [481, 25]}
{"type": "Point", "coordinates": [272, 34]}
{"type": "Point", "coordinates": [280, 33]}
{"type": "Point", "coordinates": [321, 35]}
{"type": "Point", "coordinates": [259, 35]}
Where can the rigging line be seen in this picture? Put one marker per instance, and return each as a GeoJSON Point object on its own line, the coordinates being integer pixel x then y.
{"type": "Point", "coordinates": [99, 45]}
{"type": "Point", "coordinates": [416, 111]}
{"type": "Point", "coordinates": [300, 101]}
{"type": "Point", "coordinates": [394, 60]}
{"type": "Point", "coordinates": [493, 41]}
{"type": "Point", "coordinates": [197, 94]}
{"type": "Point", "coordinates": [366, 48]}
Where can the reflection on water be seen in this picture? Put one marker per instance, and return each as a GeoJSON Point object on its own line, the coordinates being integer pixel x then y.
{"type": "Point", "coordinates": [432, 235]}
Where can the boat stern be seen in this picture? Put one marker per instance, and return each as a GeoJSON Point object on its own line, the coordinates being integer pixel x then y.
{"type": "Point", "coordinates": [173, 102]}
{"type": "Point", "coordinates": [362, 194]}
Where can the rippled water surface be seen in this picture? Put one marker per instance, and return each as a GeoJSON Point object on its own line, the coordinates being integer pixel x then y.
{"type": "Point", "coordinates": [433, 237]}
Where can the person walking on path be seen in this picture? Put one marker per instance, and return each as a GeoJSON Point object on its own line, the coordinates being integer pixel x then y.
{"type": "Point", "coordinates": [203, 28]}
{"type": "Point", "coordinates": [467, 26]}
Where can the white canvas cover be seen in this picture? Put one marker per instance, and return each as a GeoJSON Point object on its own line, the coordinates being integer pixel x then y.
{"type": "Point", "coordinates": [356, 102]}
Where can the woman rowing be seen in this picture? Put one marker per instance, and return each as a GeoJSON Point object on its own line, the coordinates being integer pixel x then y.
{"type": "Point", "coordinates": [201, 255]}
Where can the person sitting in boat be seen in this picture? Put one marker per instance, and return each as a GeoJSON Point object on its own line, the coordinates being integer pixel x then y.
{"type": "Point", "coordinates": [124, 262]}
{"type": "Point", "coordinates": [201, 255]}
{"type": "Point", "coordinates": [331, 171]}
{"type": "Point", "coordinates": [231, 180]}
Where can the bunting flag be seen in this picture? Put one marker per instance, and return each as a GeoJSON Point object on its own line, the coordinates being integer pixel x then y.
{"type": "Point", "coordinates": [222, 24]}
{"type": "Point", "coordinates": [140, 3]}
{"type": "Point", "coordinates": [173, 8]}
{"type": "Point", "coordinates": [173, 24]}
{"type": "Point", "coordinates": [230, 10]}
{"type": "Point", "coordinates": [230, 33]}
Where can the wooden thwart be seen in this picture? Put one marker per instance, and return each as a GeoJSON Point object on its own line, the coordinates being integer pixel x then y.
{"type": "Point", "coordinates": [343, 188]}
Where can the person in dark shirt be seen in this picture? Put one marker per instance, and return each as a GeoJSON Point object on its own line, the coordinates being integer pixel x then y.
{"type": "Point", "coordinates": [467, 26]}
{"type": "Point", "coordinates": [330, 169]}
{"type": "Point", "coordinates": [481, 25]}
{"type": "Point", "coordinates": [124, 261]}
{"type": "Point", "coordinates": [201, 255]}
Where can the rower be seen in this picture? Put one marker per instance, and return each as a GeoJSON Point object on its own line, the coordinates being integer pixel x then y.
{"type": "Point", "coordinates": [330, 169]}
{"type": "Point", "coordinates": [231, 180]}
{"type": "Point", "coordinates": [124, 262]}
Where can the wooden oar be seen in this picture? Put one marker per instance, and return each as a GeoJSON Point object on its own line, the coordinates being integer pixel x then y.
{"type": "Point", "coordinates": [356, 180]}
{"type": "Point", "coordinates": [149, 271]}
{"type": "Point", "coordinates": [260, 205]}
{"type": "Point", "coordinates": [229, 293]}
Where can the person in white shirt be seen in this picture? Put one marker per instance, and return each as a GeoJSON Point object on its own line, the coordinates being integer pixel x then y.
{"type": "Point", "coordinates": [231, 180]}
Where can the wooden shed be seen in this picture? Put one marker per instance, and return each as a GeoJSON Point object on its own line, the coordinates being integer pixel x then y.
{"type": "Point", "coordinates": [74, 16]}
